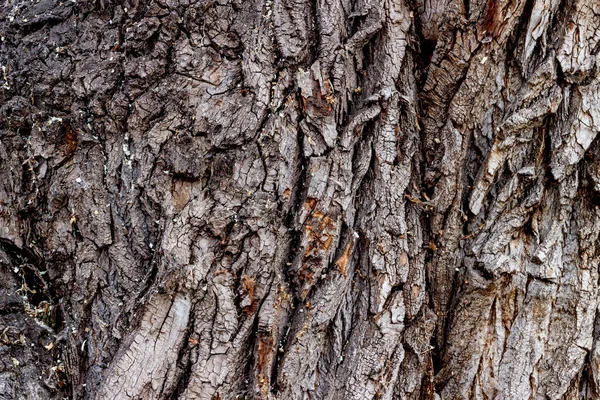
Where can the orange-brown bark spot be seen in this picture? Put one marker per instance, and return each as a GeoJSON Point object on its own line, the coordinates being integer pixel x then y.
{"type": "Point", "coordinates": [310, 203]}
{"type": "Point", "coordinates": [70, 138]}
{"type": "Point", "coordinates": [325, 221]}
{"type": "Point", "coordinates": [265, 347]}
{"type": "Point", "coordinates": [327, 242]}
{"type": "Point", "coordinates": [249, 287]}
{"type": "Point", "coordinates": [264, 351]}
{"type": "Point", "coordinates": [319, 233]}
{"type": "Point", "coordinates": [305, 274]}
{"type": "Point", "coordinates": [342, 262]}
{"type": "Point", "coordinates": [282, 296]}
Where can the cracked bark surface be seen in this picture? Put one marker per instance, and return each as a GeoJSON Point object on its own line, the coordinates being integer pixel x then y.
{"type": "Point", "coordinates": [275, 199]}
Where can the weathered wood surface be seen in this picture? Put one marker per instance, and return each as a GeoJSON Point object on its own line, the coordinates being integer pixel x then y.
{"type": "Point", "coordinates": [292, 199]}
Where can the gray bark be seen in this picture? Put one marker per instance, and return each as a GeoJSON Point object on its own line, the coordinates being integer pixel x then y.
{"type": "Point", "coordinates": [292, 199]}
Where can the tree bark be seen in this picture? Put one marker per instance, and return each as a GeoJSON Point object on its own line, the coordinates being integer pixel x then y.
{"type": "Point", "coordinates": [292, 199]}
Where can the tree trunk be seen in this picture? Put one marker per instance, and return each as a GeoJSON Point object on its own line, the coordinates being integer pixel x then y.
{"type": "Point", "coordinates": [291, 199]}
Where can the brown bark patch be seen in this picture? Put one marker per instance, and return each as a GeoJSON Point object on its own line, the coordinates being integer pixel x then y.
{"type": "Point", "coordinates": [319, 104]}
{"type": "Point", "coordinates": [310, 203]}
{"type": "Point", "coordinates": [70, 138]}
{"type": "Point", "coordinates": [249, 287]}
{"type": "Point", "coordinates": [490, 20]}
{"type": "Point", "coordinates": [305, 274]}
{"type": "Point", "coordinates": [342, 262]}
{"type": "Point", "coordinates": [264, 351]}
{"type": "Point", "coordinates": [319, 232]}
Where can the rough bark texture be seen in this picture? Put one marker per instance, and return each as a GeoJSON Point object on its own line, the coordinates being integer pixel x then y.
{"type": "Point", "coordinates": [293, 199]}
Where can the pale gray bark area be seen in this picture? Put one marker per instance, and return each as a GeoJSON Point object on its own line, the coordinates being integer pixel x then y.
{"type": "Point", "coordinates": [291, 199]}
